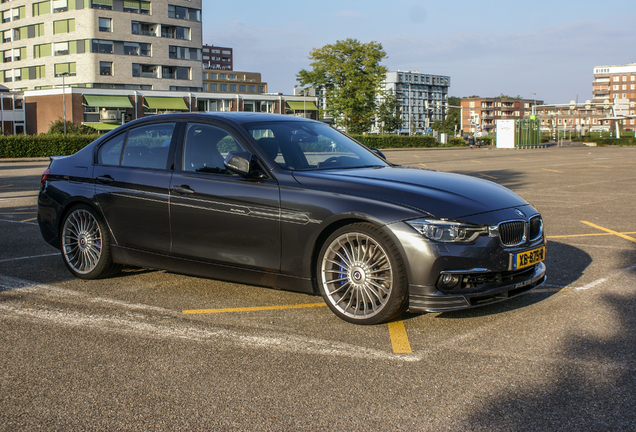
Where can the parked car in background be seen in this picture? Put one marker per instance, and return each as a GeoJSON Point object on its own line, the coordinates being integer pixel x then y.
{"type": "Point", "coordinates": [289, 203]}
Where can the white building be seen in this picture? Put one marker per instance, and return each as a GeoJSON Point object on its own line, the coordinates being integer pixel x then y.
{"type": "Point", "coordinates": [422, 98]}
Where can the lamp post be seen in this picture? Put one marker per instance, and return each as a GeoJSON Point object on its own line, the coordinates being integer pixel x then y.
{"type": "Point", "coordinates": [65, 74]}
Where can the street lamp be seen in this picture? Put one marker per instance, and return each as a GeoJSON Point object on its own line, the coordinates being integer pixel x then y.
{"type": "Point", "coordinates": [63, 75]}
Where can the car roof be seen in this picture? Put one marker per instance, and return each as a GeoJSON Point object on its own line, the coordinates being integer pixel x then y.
{"type": "Point", "coordinates": [230, 117]}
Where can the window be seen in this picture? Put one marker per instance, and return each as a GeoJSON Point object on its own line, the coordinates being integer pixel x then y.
{"type": "Point", "coordinates": [213, 76]}
{"type": "Point", "coordinates": [64, 26]}
{"type": "Point", "coordinates": [137, 49]}
{"type": "Point", "coordinates": [175, 32]}
{"type": "Point", "coordinates": [136, 6]}
{"type": "Point", "coordinates": [142, 29]}
{"type": "Point", "coordinates": [261, 89]}
{"type": "Point", "coordinates": [251, 89]}
{"type": "Point", "coordinates": [232, 87]}
{"type": "Point", "coordinates": [61, 48]}
{"type": "Point", "coordinates": [102, 46]}
{"type": "Point", "coordinates": [41, 8]}
{"type": "Point", "coordinates": [42, 50]}
{"type": "Point", "coordinates": [214, 87]}
{"type": "Point", "coordinates": [205, 86]}
{"type": "Point", "coordinates": [184, 13]}
{"type": "Point", "coordinates": [242, 88]}
{"type": "Point", "coordinates": [110, 153]}
{"type": "Point", "coordinates": [105, 68]}
{"type": "Point", "coordinates": [147, 146]}
{"type": "Point", "coordinates": [206, 147]}
{"type": "Point", "coordinates": [102, 4]}
{"type": "Point", "coordinates": [615, 79]}
{"type": "Point", "coordinates": [60, 6]}
{"type": "Point", "coordinates": [67, 69]}
{"type": "Point", "coordinates": [105, 24]}
{"type": "Point", "coordinates": [144, 71]}
{"type": "Point", "coordinates": [224, 87]}
{"type": "Point", "coordinates": [7, 76]}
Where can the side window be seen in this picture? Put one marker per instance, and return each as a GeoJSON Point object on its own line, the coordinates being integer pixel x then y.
{"type": "Point", "coordinates": [206, 147]}
{"type": "Point", "coordinates": [110, 153]}
{"type": "Point", "coordinates": [147, 146]}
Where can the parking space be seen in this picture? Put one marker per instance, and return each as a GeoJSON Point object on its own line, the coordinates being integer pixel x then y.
{"type": "Point", "coordinates": [160, 345]}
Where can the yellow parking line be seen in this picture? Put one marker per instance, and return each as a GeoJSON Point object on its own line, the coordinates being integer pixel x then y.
{"type": "Point", "coordinates": [252, 309]}
{"type": "Point", "coordinates": [422, 164]}
{"type": "Point", "coordinates": [621, 235]}
{"type": "Point", "coordinates": [520, 159]}
{"type": "Point", "coordinates": [545, 169]}
{"type": "Point", "coordinates": [476, 161]}
{"type": "Point", "coordinates": [586, 235]}
{"type": "Point", "coordinates": [486, 175]}
{"type": "Point", "coordinates": [399, 338]}
{"type": "Point", "coordinates": [2, 186]}
{"type": "Point", "coordinates": [29, 220]}
{"type": "Point", "coordinates": [600, 166]}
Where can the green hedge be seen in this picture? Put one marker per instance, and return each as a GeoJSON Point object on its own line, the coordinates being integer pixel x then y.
{"type": "Point", "coordinates": [401, 141]}
{"type": "Point", "coordinates": [631, 141]}
{"type": "Point", "coordinates": [23, 146]}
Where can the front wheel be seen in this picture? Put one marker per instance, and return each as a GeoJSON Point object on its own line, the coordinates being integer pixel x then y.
{"type": "Point", "coordinates": [361, 275]}
{"type": "Point", "coordinates": [86, 245]}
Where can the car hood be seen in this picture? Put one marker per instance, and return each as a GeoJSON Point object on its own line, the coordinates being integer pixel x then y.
{"type": "Point", "coordinates": [440, 194]}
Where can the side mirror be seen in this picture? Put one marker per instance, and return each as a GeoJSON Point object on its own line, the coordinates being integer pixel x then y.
{"type": "Point", "coordinates": [378, 153]}
{"type": "Point", "coordinates": [243, 164]}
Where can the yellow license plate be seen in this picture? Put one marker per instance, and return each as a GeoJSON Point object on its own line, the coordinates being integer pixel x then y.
{"type": "Point", "coordinates": [528, 258]}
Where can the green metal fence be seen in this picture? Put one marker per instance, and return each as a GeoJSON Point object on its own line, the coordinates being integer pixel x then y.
{"type": "Point", "coordinates": [527, 133]}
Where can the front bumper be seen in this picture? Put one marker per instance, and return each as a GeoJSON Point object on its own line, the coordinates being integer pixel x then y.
{"type": "Point", "coordinates": [421, 298]}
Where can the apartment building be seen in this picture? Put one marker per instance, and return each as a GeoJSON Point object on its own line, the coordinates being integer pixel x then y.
{"type": "Point", "coordinates": [616, 86]}
{"type": "Point", "coordinates": [97, 45]}
{"type": "Point", "coordinates": [422, 98]}
{"type": "Point", "coordinates": [480, 114]}
{"type": "Point", "coordinates": [220, 58]}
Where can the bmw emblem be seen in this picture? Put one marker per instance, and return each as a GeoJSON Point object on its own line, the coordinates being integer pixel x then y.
{"type": "Point", "coordinates": [520, 213]}
{"type": "Point", "coordinates": [357, 275]}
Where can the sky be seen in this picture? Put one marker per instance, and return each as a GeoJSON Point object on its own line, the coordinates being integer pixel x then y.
{"type": "Point", "coordinates": [535, 49]}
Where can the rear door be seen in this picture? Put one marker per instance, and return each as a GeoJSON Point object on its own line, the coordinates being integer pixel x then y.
{"type": "Point", "coordinates": [132, 177]}
{"type": "Point", "coordinates": [219, 216]}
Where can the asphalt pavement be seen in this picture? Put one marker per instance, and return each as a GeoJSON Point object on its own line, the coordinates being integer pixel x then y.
{"type": "Point", "coordinates": [121, 354]}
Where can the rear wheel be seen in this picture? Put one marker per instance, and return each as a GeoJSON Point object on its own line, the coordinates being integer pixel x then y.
{"type": "Point", "coordinates": [361, 275]}
{"type": "Point", "coordinates": [86, 245]}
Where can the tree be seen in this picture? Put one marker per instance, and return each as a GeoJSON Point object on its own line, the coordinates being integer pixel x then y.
{"type": "Point", "coordinates": [350, 74]}
{"type": "Point", "coordinates": [388, 115]}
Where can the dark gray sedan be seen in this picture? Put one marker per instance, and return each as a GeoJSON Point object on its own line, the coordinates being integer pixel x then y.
{"type": "Point", "coordinates": [289, 203]}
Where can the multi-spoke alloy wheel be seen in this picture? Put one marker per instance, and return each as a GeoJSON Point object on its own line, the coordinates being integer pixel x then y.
{"type": "Point", "coordinates": [361, 276]}
{"type": "Point", "coordinates": [84, 248]}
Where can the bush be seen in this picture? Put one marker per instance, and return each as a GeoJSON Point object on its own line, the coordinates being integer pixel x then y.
{"type": "Point", "coordinates": [44, 145]}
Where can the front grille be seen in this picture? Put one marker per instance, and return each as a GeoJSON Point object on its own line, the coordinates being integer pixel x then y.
{"type": "Point", "coordinates": [535, 228]}
{"type": "Point", "coordinates": [512, 233]}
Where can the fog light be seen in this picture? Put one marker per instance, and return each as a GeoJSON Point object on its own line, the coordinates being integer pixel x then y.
{"type": "Point", "coordinates": [449, 281]}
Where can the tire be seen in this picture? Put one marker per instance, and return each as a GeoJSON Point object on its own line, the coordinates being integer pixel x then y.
{"type": "Point", "coordinates": [361, 275]}
{"type": "Point", "coordinates": [86, 244]}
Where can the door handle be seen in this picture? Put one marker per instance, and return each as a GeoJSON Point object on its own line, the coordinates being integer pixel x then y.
{"type": "Point", "coordinates": [105, 179]}
{"type": "Point", "coordinates": [183, 189]}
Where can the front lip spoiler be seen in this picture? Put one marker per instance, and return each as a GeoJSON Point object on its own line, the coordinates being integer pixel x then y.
{"type": "Point", "coordinates": [452, 302]}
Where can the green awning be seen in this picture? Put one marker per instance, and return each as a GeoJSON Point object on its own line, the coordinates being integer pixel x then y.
{"type": "Point", "coordinates": [103, 126]}
{"type": "Point", "coordinates": [107, 101]}
{"type": "Point", "coordinates": [165, 103]}
{"type": "Point", "coordinates": [302, 106]}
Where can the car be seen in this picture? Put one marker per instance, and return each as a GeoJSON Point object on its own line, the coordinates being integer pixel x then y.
{"type": "Point", "coordinates": [289, 203]}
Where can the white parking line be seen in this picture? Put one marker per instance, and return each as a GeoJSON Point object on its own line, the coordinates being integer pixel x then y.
{"type": "Point", "coordinates": [28, 257]}
{"type": "Point", "coordinates": [20, 222]}
{"type": "Point", "coordinates": [199, 331]}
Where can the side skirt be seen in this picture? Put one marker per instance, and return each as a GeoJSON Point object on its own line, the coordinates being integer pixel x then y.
{"type": "Point", "coordinates": [133, 257]}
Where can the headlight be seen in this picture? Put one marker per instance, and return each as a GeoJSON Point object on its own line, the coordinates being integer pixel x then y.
{"type": "Point", "coordinates": [447, 231]}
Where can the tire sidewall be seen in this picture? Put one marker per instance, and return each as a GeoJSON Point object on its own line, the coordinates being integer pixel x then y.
{"type": "Point", "coordinates": [398, 299]}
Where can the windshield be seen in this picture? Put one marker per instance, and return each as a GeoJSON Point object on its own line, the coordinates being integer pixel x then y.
{"type": "Point", "coordinates": [305, 146]}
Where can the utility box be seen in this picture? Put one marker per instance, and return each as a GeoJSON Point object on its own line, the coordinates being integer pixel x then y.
{"type": "Point", "coordinates": [505, 134]}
